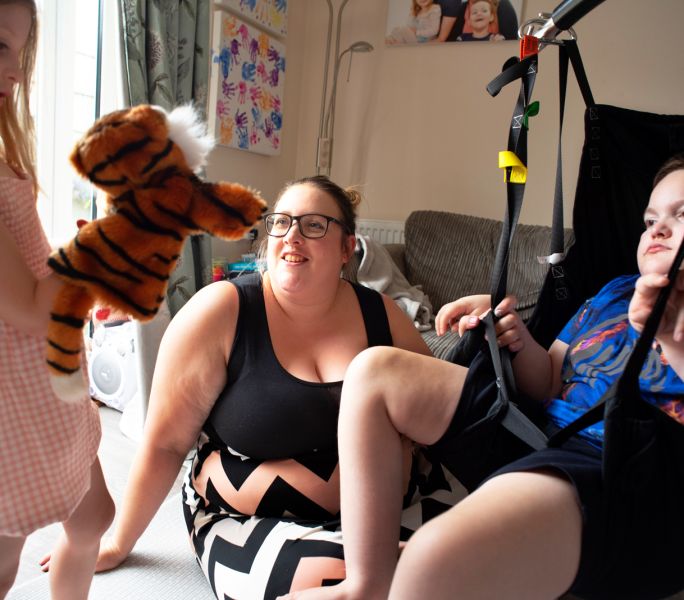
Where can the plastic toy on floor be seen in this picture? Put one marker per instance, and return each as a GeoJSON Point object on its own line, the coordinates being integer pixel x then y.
{"type": "Point", "coordinates": [145, 160]}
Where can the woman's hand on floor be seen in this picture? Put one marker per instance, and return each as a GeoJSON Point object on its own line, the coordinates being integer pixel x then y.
{"type": "Point", "coordinates": [110, 555]}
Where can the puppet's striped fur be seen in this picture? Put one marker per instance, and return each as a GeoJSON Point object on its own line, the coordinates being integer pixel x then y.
{"type": "Point", "coordinates": [124, 259]}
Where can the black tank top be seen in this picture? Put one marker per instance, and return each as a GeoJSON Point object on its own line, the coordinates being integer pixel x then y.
{"type": "Point", "coordinates": [266, 413]}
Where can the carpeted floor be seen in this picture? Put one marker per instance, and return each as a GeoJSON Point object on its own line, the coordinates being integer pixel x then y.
{"type": "Point", "coordinates": [162, 564]}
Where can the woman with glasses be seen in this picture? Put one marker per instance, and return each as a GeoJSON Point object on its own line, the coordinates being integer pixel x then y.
{"type": "Point", "coordinates": [250, 373]}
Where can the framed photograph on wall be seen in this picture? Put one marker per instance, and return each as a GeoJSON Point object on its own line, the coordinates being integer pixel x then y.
{"type": "Point", "coordinates": [434, 21]}
{"type": "Point", "coordinates": [247, 83]}
{"type": "Point", "coordinates": [269, 14]}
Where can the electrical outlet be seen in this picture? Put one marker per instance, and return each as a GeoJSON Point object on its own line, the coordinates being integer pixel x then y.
{"type": "Point", "coordinates": [324, 145]}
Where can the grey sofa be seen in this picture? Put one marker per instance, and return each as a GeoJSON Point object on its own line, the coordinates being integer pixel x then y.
{"type": "Point", "coordinates": [450, 255]}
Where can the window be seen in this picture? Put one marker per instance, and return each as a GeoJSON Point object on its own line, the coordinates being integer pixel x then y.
{"type": "Point", "coordinates": [64, 102]}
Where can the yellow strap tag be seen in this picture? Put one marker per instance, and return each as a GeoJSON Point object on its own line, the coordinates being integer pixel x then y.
{"type": "Point", "coordinates": [518, 170]}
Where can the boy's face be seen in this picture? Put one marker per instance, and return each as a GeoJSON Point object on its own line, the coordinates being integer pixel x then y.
{"type": "Point", "coordinates": [664, 220]}
{"type": "Point", "coordinates": [481, 14]}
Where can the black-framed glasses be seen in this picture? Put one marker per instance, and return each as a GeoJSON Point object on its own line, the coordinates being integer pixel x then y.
{"type": "Point", "coordinates": [311, 225]}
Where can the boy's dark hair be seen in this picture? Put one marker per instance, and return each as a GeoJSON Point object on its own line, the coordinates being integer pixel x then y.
{"type": "Point", "coordinates": [672, 164]}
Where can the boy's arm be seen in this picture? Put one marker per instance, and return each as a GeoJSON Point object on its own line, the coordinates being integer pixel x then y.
{"type": "Point", "coordinates": [25, 301]}
{"type": "Point", "coordinates": [537, 370]}
{"type": "Point", "coordinates": [462, 314]}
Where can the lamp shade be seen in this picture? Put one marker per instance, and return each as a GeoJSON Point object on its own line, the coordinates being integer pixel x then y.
{"type": "Point", "coordinates": [360, 47]}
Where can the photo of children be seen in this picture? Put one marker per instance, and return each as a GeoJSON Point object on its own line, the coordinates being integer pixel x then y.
{"type": "Point", "coordinates": [422, 25]}
{"type": "Point", "coordinates": [434, 21]}
{"type": "Point", "coordinates": [484, 22]}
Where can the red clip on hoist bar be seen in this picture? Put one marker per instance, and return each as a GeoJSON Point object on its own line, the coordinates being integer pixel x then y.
{"type": "Point", "coordinates": [529, 45]}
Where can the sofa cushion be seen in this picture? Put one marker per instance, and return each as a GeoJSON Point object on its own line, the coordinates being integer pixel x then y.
{"type": "Point", "coordinates": [451, 256]}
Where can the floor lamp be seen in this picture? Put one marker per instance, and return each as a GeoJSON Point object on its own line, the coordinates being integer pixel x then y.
{"type": "Point", "coordinates": [325, 143]}
{"type": "Point", "coordinates": [327, 122]}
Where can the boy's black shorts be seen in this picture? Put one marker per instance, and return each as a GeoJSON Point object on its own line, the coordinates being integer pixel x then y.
{"type": "Point", "coordinates": [629, 564]}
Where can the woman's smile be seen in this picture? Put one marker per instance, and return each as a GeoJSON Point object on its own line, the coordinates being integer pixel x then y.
{"type": "Point", "coordinates": [293, 258]}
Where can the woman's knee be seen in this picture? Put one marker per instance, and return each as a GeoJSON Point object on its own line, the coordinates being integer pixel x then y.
{"type": "Point", "coordinates": [370, 374]}
{"type": "Point", "coordinates": [418, 393]}
{"type": "Point", "coordinates": [372, 364]}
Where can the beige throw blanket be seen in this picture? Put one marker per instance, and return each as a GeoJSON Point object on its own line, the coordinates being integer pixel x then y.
{"type": "Point", "coordinates": [378, 271]}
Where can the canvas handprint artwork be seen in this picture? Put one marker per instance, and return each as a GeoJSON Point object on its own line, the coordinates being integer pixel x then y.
{"type": "Point", "coordinates": [246, 96]}
{"type": "Point", "coordinates": [269, 14]}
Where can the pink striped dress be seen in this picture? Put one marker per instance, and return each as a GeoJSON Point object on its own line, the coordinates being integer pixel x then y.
{"type": "Point", "coordinates": [46, 445]}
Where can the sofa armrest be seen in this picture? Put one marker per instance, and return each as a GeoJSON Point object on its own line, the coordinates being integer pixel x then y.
{"type": "Point", "coordinates": [397, 252]}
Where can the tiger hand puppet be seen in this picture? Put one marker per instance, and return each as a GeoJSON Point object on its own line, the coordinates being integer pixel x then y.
{"type": "Point", "coordinates": [145, 160]}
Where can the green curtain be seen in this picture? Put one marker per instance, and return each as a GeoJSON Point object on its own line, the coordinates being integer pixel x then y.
{"type": "Point", "coordinates": [167, 53]}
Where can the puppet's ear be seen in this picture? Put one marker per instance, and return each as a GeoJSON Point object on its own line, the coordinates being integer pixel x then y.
{"type": "Point", "coordinates": [76, 161]}
{"type": "Point", "coordinates": [189, 133]}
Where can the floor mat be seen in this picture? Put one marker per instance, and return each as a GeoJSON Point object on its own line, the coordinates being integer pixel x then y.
{"type": "Point", "coordinates": [162, 565]}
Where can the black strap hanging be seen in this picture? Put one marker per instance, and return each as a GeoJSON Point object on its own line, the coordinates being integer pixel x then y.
{"type": "Point", "coordinates": [526, 71]}
{"type": "Point", "coordinates": [553, 308]}
{"type": "Point", "coordinates": [567, 49]}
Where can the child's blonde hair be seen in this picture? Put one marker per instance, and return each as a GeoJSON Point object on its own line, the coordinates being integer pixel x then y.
{"type": "Point", "coordinates": [17, 143]}
{"type": "Point", "coordinates": [415, 8]}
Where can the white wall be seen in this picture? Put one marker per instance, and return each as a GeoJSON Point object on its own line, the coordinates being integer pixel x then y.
{"type": "Point", "coordinates": [415, 127]}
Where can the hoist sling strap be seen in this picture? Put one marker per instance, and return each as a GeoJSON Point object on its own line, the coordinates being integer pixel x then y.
{"type": "Point", "coordinates": [512, 418]}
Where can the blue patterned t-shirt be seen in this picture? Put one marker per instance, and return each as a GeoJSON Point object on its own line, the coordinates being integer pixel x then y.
{"type": "Point", "coordinates": [600, 340]}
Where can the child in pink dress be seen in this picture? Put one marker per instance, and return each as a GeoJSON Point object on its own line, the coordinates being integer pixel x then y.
{"type": "Point", "coordinates": [423, 24]}
{"type": "Point", "coordinates": [48, 459]}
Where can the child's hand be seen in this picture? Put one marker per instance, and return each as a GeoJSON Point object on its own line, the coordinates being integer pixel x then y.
{"type": "Point", "coordinates": [462, 314]}
{"type": "Point", "coordinates": [646, 291]}
{"type": "Point", "coordinates": [510, 330]}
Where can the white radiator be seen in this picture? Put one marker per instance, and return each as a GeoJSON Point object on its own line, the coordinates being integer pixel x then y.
{"type": "Point", "coordinates": [385, 232]}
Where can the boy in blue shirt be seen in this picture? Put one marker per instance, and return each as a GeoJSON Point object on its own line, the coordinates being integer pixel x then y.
{"type": "Point", "coordinates": [535, 527]}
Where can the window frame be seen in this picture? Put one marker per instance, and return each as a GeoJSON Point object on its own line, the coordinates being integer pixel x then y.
{"type": "Point", "coordinates": [53, 104]}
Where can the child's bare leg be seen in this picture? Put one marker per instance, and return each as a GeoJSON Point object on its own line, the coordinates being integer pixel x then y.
{"type": "Point", "coordinates": [73, 560]}
{"type": "Point", "coordinates": [387, 393]}
{"type": "Point", "coordinates": [10, 551]}
{"type": "Point", "coordinates": [518, 536]}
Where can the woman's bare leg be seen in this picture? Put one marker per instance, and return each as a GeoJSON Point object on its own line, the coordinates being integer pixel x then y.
{"type": "Point", "coordinates": [387, 393]}
{"type": "Point", "coordinates": [518, 536]}
{"type": "Point", "coordinates": [10, 552]}
{"type": "Point", "coordinates": [72, 564]}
